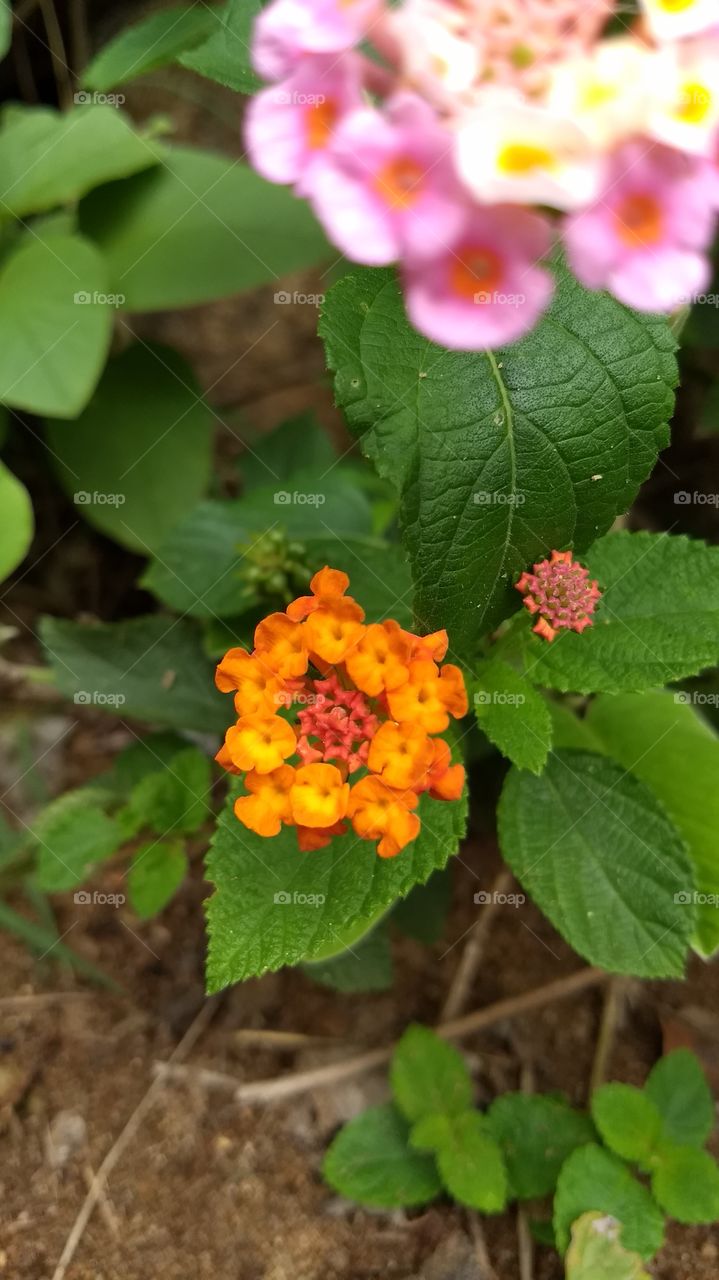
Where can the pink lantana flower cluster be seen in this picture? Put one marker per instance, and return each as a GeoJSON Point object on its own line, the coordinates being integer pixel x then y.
{"type": "Point", "coordinates": [462, 138]}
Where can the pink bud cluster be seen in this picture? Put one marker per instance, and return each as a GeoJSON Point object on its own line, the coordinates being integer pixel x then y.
{"type": "Point", "coordinates": [461, 138]}
{"type": "Point", "coordinates": [560, 592]}
{"type": "Point", "coordinates": [338, 726]}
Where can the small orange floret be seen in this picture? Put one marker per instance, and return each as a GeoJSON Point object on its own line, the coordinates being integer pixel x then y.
{"type": "Point", "coordinates": [257, 686]}
{"type": "Point", "coordinates": [401, 753]}
{"type": "Point", "coordinates": [431, 648]}
{"type": "Point", "coordinates": [260, 742]}
{"type": "Point", "coordinates": [268, 805]}
{"type": "Point", "coordinates": [327, 585]}
{"type": "Point", "coordinates": [311, 838]}
{"type": "Point", "coordinates": [380, 659]}
{"type": "Point", "coordinates": [280, 643]}
{"type": "Point", "coordinates": [333, 629]}
{"type": "Point", "coordinates": [444, 780]}
{"type": "Point", "coordinates": [430, 696]}
{"type": "Point", "coordinates": [224, 760]}
{"type": "Point", "coordinates": [319, 796]}
{"type": "Point", "coordinates": [379, 812]}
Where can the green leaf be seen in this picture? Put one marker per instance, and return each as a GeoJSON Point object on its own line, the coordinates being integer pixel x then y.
{"type": "Point", "coordinates": [73, 833]}
{"type": "Point", "coordinates": [512, 714]}
{"type": "Point", "coordinates": [151, 43]}
{"type": "Point", "coordinates": [594, 1179]}
{"type": "Point", "coordinates": [49, 158]}
{"type": "Point", "coordinates": [149, 668]}
{"type": "Point", "coordinates": [149, 227]}
{"type": "Point", "coordinates": [156, 873]}
{"type": "Point", "coordinates": [370, 1161]}
{"type": "Point", "coordinates": [225, 55]}
{"type": "Point", "coordinates": [468, 1158]}
{"type": "Point", "coordinates": [5, 27]}
{"type": "Point", "coordinates": [657, 621]}
{"type": "Point", "coordinates": [596, 1254]}
{"type": "Point", "coordinates": [686, 1184]}
{"type": "Point", "coordinates": [198, 569]}
{"type": "Point", "coordinates": [422, 915]}
{"type": "Point", "coordinates": [139, 457]}
{"type": "Point", "coordinates": [490, 450]}
{"type": "Point", "coordinates": [663, 740]}
{"type": "Point", "coordinates": [678, 1087]}
{"type": "Point", "coordinates": [628, 1121]}
{"type": "Point", "coordinates": [429, 1076]}
{"type": "Point", "coordinates": [174, 798]}
{"type": "Point", "coordinates": [596, 852]}
{"type": "Point", "coordinates": [536, 1135]}
{"type": "Point", "coordinates": [274, 906]}
{"type": "Point", "coordinates": [378, 572]}
{"type": "Point", "coordinates": [143, 756]}
{"type": "Point", "coordinates": [54, 325]}
{"type": "Point", "coordinates": [366, 966]}
{"type": "Point", "coordinates": [300, 444]}
{"type": "Point", "coordinates": [17, 523]}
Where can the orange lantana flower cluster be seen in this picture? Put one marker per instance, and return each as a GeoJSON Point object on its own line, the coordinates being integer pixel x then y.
{"type": "Point", "coordinates": [336, 722]}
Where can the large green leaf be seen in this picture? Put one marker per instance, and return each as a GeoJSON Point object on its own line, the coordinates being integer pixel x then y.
{"type": "Point", "coordinates": [597, 853]}
{"type": "Point", "coordinates": [54, 325]}
{"type": "Point", "coordinates": [5, 27]}
{"type": "Point", "coordinates": [657, 621]}
{"type": "Point", "coordinates": [148, 44]}
{"type": "Point", "coordinates": [199, 226]}
{"type": "Point", "coordinates": [661, 738]}
{"type": "Point", "coordinates": [678, 1088]}
{"type": "Point", "coordinates": [225, 55]}
{"type": "Point", "coordinates": [514, 716]}
{"type": "Point", "coordinates": [593, 1179]}
{"type": "Point", "coordinates": [16, 522]}
{"type": "Point", "coordinates": [152, 669]}
{"type": "Point", "coordinates": [274, 906]}
{"type": "Point", "coordinates": [500, 456]}
{"type": "Point", "coordinates": [48, 158]}
{"type": "Point", "coordinates": [139, 456]}
{"type": "Point", "coordinates": [371, 1161]}
{"type": "Point", "coordinates": [73, 833]}
{"type": "Point", "coordinates": [536, 1134]}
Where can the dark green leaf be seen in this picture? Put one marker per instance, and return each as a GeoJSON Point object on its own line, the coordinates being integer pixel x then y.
{"type": "Point", "coordinates": [366, 966]}
{"type": "Point", "coordinates": [536, 1135]}
{"type": "Point", "coordinates": [152, 42]}
{"type": "Point", "coordinates": [370, 1161]}
{"type": "Point", "coordinates": [593, 1179]}
{"type": "Point", "coordinates": [225, 55]}
{"type": "Point", "coordinates": [512, 714]}
{"type": "Point", "coordinates": [678, 1087]}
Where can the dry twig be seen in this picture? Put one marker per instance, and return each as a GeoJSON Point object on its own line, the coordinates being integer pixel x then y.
{"type": "Point", "coordinates": [473, 951]}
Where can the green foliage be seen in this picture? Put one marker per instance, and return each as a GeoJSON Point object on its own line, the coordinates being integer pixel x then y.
{"type": "Point", "coordinates": [5, 27]}
{"type": "Point", "coordinates": [657, 621]}
{"type": "Point", "coordinates": [372, 1162]}
{"type": "Point", "coordinates": [429, 1076]}
{"type": "Point", "coordinates": [514, 716]}
{"type": "Point", "coordinates": [17, 523]}
{"type": "Point", "coordinates": [628, 1121]}
{"type": "Point", "coordinates": [596, 1254]}
{"type": "Point", "coordinates": [152, 668]}
{"type": "Point", "coordinates": [50, 158]}
{"type": "Point", "coordinates": [54, 324]}
{"type": "Point", "coordinates": [43, 940]}
{"type": "Point", "coordinates": [272, 907]}
{"type": "Point", "coordinates": [686, 1184]}
{"type": "Point", "coordinates": [146, 45]}
{"type": "Point", "coordinates": [299, 444]}
{"type": "Point", "coordinates": [422, 914]}
{"type": "Point", "coordinates": [155, 432]}
{"type": "Point", "coordinates": [173, 798]}
{"type": "Point", "coordinates": [602, 860]}
{"type": "Point", "coordinates": [225, 55]}
{"type": "Point", "coordinates": [594, 1179]}
{"type": "Point", "coordinates": [73, 834]}
{"type": "Point", "coordinates": [489, 450]}
{"type": "Point", "coordinates": [678, 1088]}
{"type": "Point", "coordinates": [536, 1135]}
{"type": "Point", "coordinates": [197, 227]}
{"type": "Point", "coordinates": [364, 966]}
{"type": "Point", "coordinates": [157, 871]}
{"type": "Point", "coordinates": [468, 1158]}
{"type": "Point", "coordinates": [663, 740]}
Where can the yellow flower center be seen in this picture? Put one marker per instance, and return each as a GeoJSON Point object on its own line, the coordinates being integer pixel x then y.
{"type": "Point", "coordinates": [518, 159]}
{"type": "Point", "coordinates": [695, 103]}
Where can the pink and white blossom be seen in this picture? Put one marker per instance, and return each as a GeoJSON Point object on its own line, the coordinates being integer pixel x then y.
{"type": "Point", "coordinates": [288, 29]}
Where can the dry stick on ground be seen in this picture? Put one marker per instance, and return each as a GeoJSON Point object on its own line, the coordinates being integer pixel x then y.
{"type": "Point", "coordinates": [473, 951]}
{"type": "Point", "coordinates": [525, 1244]}
{"type": "Point", "coordinates": [480, 1247]}
{"type": "Point", "coordinates": [289, 1086]}
{"type": "Point", "coordinates": [612, 1014]}
{"type": "Point", "coordinates": [97, 1187]}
